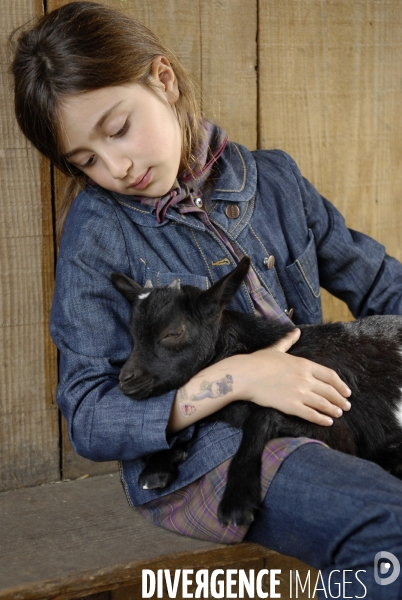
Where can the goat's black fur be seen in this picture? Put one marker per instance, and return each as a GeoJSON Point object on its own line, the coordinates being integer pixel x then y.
{"type": "Point", "coordinates": [177, 331]}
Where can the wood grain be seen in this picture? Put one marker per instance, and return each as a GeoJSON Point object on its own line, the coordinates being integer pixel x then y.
{"type": "Point", "coordinates": [76, 538]}
{"type": "Point", "coordinates": [330, 95]}
{"type": "Point", "coordinates": [29, 452]}
{"type": "Point", "coordinates": [229, 63]}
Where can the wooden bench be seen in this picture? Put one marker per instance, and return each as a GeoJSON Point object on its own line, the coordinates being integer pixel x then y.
{"type": "Point", "coordinates": [74, 539]}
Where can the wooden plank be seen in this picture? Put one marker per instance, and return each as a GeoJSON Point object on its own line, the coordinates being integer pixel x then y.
{"type": "Point", "coordinates": [329, 90]}
{"type": "Point", "coordinates": [229, 62]}
{"type": "Point", "coordinates": [76, 538]}
{"type": "Point", "coordinates": [29, 452]}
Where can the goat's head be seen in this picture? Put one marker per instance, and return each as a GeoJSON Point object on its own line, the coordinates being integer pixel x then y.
{"type": "Point", "coordinates": [174, 331]}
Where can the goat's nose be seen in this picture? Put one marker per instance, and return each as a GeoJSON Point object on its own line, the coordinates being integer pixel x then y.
{"type": "Point", "coordinates": [126, 376]}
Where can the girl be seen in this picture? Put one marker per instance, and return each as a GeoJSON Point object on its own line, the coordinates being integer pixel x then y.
{"type": "Point", "coordinates": [164, 194]}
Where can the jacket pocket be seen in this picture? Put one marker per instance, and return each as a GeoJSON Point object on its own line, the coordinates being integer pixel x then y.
{"type": "Point", "coordinates": [162, 278]}
{"type": "Point", "coordinates": [304, 276]}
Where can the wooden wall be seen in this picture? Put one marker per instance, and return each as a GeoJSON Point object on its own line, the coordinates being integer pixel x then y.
{"type": "Point", "coordinates": [321, 79]}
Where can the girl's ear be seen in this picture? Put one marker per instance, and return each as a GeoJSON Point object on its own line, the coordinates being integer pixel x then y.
{"type": "Point", "coordinates": [165, 78]}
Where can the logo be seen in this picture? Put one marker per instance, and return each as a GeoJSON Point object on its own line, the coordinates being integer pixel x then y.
{"type": "Point", "coordinates": [383, 561]}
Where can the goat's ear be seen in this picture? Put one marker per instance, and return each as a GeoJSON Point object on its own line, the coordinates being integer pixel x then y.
{"type": "Point", "coordinates": [223, 290]}
{"type": "Point", "coordinates": [126, 286]}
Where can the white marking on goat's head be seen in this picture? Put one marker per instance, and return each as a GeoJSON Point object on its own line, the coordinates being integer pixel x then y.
{"type": "Point", "coordinates": [143, 296]}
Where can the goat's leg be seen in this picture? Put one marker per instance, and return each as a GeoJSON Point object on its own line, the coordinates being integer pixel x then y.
{"type": "Point", "coordinates": [242, 495]}
{"type": "Point", "coordinates": [161, 468]}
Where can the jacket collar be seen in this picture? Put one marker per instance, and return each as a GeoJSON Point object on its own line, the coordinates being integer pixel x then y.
{"type": "Point", "coordinates": [238, 175]}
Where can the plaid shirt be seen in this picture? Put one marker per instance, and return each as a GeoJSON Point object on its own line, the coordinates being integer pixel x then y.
{"type": "Point", "coordinates": [192, 511]}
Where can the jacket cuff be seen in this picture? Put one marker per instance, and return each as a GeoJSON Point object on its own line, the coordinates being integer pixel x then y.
{"type": "Point", "coordinates": [155, 420]}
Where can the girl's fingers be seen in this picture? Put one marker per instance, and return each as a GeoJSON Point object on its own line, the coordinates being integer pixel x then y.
{"type": "Point", "coordinates": [292, 384]}
{"type": "Point", "coordinates": [325, 405]}
{"type": "Point", "coordinates": [309, 414]}
{"type": "Point", "coordinates": [332, 379]}
{"type": "Point", "coordinates": [328, 385]}
{"type": "Point", "coordinates": [315, 408]}
{"type": "Point", "coordinates": [331, 401]}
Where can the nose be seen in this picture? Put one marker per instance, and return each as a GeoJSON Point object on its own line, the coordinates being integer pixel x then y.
{"type": "Point", "coordinates": [126, 375]}
{"type": "Point", "coordinates": [118, 166]}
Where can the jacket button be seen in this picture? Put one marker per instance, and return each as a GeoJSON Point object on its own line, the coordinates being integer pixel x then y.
{"type": "Point", "coordinates": [199, 202]}
{"type": "Point", "coordinates": [289, 312]}
{"type": "Point", "coordinates": [232, 211]}
{"type": "Point", "coordinates": [269, 261]}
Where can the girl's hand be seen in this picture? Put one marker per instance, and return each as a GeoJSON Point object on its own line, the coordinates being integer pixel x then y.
{"type": "Point", "coordinates": [293, 385]}
{"type": "Point", "coordinates": [269, 377]}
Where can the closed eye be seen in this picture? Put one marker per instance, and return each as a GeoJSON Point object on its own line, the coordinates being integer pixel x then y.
{"type": "Point", "coordinates": [90, 162]}
{"type": "Point", "coordinates": [92, 159]}
{"type": "Point", "coordinates": [171, 336]}
{"type": "Point", "coordinates": [121, 131]}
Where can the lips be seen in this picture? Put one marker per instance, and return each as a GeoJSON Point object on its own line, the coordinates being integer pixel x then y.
{"type": "Point", "coordinates": [142, 181]}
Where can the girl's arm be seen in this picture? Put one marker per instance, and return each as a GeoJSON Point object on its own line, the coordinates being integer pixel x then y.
{"type": "Point", "coordinates": [270, 378]}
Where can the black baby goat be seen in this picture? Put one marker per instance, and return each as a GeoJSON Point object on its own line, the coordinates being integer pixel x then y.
{"type": "Point", "coordinates": [179, 330]}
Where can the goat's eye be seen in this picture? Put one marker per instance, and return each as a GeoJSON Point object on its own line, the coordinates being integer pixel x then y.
{"type": "Point", "coordinates": [171, 336]}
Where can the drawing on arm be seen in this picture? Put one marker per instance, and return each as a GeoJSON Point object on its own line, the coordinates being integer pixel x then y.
{"type": "Point", "coordinates": [214, 389]}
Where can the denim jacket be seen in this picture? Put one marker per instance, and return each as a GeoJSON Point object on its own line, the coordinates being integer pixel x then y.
{"type": "Point", "coordinates": [281, 216]}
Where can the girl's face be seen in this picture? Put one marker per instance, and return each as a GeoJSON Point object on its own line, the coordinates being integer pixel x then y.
{"type": "Point", "coordinates": [126, 138]}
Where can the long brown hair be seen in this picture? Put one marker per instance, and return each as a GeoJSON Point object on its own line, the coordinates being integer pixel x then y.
{"type": "Point", "coordinates": [80, 47]}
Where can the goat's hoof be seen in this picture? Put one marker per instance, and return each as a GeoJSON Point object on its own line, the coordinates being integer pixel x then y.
{"type": "Point", "coordinates": [154, 481]}
{"type": "Point", "coordinates": [238, 516]}
{"type": "Point", "coordinates": [178, 455]}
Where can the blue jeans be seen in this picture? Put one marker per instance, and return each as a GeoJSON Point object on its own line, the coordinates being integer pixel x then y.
{"type": "Point", "coordinates": [335, 512]}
